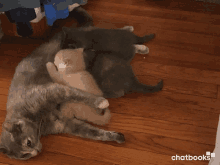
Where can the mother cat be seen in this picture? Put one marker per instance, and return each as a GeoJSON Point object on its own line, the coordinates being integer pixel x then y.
{"type": "Point", "coordinates": [32, 105]}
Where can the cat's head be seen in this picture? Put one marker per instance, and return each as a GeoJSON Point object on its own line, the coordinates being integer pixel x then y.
{"type": "Point", "coordinates": [20, 139]}
{"type": "Point", "coordinates": [72, 38]}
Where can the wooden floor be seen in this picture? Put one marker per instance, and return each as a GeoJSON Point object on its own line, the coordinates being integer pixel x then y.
{"type": "Point", "coordinates": [180, 120]}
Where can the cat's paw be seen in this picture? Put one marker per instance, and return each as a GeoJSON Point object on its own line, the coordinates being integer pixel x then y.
{"type": "Point", "coordinates": [141, 49]}
{"type": "Point", "coordinates": [102, 103]}
{"type": "Point", "coordinates": [128, 28]}
{"type": "Point", "coordinates": [120, 138]}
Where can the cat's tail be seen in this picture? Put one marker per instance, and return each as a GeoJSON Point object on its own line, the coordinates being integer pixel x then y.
{"type": "Point", "coordinates": [144, 39]}
{"type": "Point", "coordinates": [143, 88]}
{"type": "Point", "coordinates": [82, 17]}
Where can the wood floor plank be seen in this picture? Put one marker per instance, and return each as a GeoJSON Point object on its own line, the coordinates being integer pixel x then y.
{"type": "Point", "coordinates": [177, 113]}
{"type": "Point", "coordinates": [180, 57]}
{"type": "Point", "coordinates": [165, 71]}
{"type": "Point", "coordinates": [53, 158]}
{"type": "Point", "coordinates": [164, 128]}
{"type": "Point", "coordinates": [182, 86]}
{"type": "Point", "coordinates": [3, 164]}
{"type": "Point", "coordinates": [168, 18]}
{"type": "Point", "coordinates": [218, 97]}
{"type": "Point", "coordinates": [154, 12]}
{"type": "Point", "coordinates": [162, 33]}
{"type": "Point", "coordinates": [114, 154]}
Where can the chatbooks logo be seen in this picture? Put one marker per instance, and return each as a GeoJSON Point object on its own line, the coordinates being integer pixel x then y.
{"type": "Point", "coordinates": [208, 156]}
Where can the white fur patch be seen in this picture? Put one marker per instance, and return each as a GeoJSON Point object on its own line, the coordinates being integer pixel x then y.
{"type": "Point", "coordinates": [62, 65]}
{"type": "Point", "coordinates": [141, 49]}
{"type": "Point", "coordinates": [104, 104]}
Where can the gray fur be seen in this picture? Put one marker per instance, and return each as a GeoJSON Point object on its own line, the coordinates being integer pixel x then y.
{"type": "Point", "coordinates": [120, 40]}
{"type": "Point", "coordinates": [32, 106]}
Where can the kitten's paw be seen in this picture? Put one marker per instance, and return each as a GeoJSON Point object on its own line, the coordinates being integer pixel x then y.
{"type": "Point", "coordinates": [141, 49]}
{"type": "Point", "coordinates": [102, 103]}
{"type": "Point", "coordinates": [120, 138]}
{"type": "Point", "coordinates": [128, 28]}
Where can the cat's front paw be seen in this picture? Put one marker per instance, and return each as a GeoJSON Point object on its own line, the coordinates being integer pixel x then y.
{"type": "Point", "coordinates": [120, 138]}
{"type": "Point", "coordinates": [101, 103]}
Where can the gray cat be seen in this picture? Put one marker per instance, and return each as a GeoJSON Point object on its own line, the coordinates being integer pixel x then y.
{"type": "Point", "coordinates": [121, 40]}
{"type": "Point", "coordinates": [32, 106]}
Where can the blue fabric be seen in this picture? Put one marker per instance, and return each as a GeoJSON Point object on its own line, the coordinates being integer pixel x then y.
{"type": "Point", "coordinates": [52, 14]}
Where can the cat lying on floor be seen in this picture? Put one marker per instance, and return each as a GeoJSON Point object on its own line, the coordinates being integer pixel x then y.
{"type": "Point", "coordinates": [33, 99]}
{"type": "Point", "coordinates": [71, 71]}
{"type": "Point", "coordinates": [32, 106]}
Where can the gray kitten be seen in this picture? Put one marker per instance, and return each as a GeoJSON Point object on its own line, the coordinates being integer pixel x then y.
{"type": "Point", "coordinates": [122, 41]}
{"type": "Point", "coordinates": [32, 106]}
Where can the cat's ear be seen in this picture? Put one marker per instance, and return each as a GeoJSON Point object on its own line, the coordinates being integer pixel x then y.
{"type": "Point", "coordinates": [13, 126]}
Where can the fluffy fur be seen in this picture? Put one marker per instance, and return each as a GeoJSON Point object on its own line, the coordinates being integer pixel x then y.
{"type": "Point", "coordinates": [71, 72]}
{"type": "Point", "coordinates": [32, 106]}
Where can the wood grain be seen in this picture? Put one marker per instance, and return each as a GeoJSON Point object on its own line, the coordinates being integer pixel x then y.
{"type": "Point", "coordinates": [179, 120]}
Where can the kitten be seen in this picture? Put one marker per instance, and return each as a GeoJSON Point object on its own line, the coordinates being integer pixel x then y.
{"type": "Point", "coordinates": [98, 39]}
{"type": "Point", "coordinates": [71, 72]}
{"type": "Point", "coordinates": [32, 108]}
{"type": "Point", "coordinates": [114, 75]}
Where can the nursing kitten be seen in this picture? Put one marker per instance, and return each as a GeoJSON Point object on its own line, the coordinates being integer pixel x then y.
{"type": "Point", "coordinates": [98, 39]}
{"type": "Point", "coordinates": [32, 108]}
{"type": "Point", "coordinates": [71, 71]}
{"type": "Point", "coordinates": [114, 75]}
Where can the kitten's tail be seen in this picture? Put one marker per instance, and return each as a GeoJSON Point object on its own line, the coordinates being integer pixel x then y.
{"type": "Point", "coordinates": [144, 39]}
{"type": "Point", "coordinates": [82, 17]}
{"type": "Point", "coordinates": [143, 88]}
